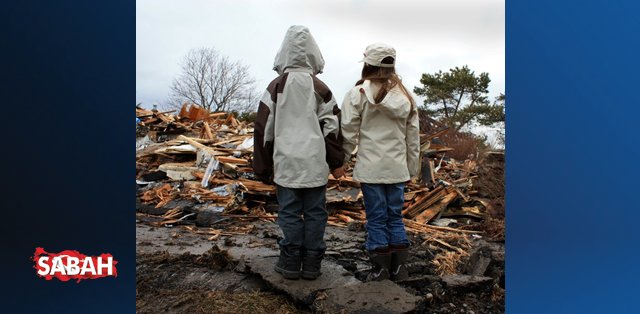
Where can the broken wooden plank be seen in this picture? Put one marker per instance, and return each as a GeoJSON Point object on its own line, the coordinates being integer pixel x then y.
{"type": "Point", "coordinates": [422, 202]}
{"type": "Point", "coordinates": [427, 175]}
{"type": "Point", "coordinates": [472, 211]}
{"type": "Point", "coordinates": [234, 122]}
{"type": "Point", "coordinates": [232, 160]}
{"type": "Point", "coordinates": [238, 138]}
{"type": "Point", "coordinates": [196, 144]}
{"type": "Point", "coordinates": [355, 215]}
{"type": "Point", "coordinates": [462, 195]}
{"type": "Point", "coordinates": [435, 209]}
{"type": "Point", "coordinates": [426, 228]}
{"type": "Point", "coordinates": [413, 193]}
{"type": "Point", "coordinates": [197, 113]}
{"type": "Point", "coordinates": [338, 223]}
{"type": "Point", "coordinates": [199, 140]}
{"type": "Point", "coordinates": [216, 115]}
{"type": "Point", "coordinates": [418, 200]}
{"type": "Point", "coordinates": [164, 118]}
{"type": "Point", "coordinates": [207, 131]}
{"type": "Point", "coordinates": [257, 186]}
{"type": "Point", "coordinates": [344, 218]}
{"type": "Point", "coordinates": [344, 181]}
{"type": "Point", "coordinates": [183, 111]}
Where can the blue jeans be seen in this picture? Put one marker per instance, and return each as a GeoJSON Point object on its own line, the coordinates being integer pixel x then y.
{"type": "Point", "coordinates": [302, 217]}
{"type": "Point", "coordinates": [383, 205]}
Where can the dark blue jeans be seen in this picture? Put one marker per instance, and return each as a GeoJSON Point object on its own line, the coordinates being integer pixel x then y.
{"type": "Point", "coordinates": [302, 217]}
{"type": "Point", "coordinates": [383, 205]}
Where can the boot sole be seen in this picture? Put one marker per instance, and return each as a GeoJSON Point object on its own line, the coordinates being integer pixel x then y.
{"type": "Point", "coordinates": [310, 275]}
{"type": "Point", "coordinates": [287, 274]}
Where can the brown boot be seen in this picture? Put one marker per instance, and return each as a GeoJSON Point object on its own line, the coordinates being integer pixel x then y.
{"type": "Point", "coordinates": [381, 260]}
{"type": "Point", "coordinates": [399, 255]}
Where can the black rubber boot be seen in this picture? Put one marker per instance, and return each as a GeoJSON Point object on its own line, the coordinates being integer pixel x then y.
{"type": "Point", "coordinates": [381, 260]}
{"type": "Point", "coordinates": [311, 264]}
{"type": "Point", "coordinates": [399, 256]}
{"type": "Point", "coordinates": [288, 264]}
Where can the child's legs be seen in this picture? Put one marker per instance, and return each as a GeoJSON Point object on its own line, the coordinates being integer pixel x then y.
{"type": "Point", "coordinates": [289, 218]}
{"type": "Point", "coordinates": [395, 201]}
{"type": "Point", "coordinates": [375, 205]}
{"type": "Point", "coordinates": [315, 218]}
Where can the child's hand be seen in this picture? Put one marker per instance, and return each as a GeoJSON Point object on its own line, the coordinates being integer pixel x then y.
{"type": "Point", "coordinates": [338, 172]}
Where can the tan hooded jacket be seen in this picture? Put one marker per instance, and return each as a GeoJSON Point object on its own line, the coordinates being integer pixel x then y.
{"type": "Point", "coordinates": [297, 130]}
{"type": "Point", "coordinates": [387, 134]}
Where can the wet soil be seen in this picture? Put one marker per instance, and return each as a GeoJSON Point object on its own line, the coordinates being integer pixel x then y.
{"type": "Point", "coordinates": [179, 271]}
{"type": "Point", "coordinates": [206, 283]}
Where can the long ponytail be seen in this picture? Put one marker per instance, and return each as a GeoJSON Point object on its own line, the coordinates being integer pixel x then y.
{"type": "Point", "coordinates": [387, 78]}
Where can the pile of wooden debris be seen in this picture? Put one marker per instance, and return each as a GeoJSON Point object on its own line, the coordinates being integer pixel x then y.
{"type": "Point", "coordinates": [195, 168]}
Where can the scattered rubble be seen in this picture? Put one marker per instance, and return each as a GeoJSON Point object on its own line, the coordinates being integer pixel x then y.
{"type": "Point", "coordinates": [193, 174]}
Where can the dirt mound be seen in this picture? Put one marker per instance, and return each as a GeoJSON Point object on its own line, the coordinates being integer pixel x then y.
{"type": "Point", "coordinates": [190, 283]}
{"type": "Point", "coordinates": [490, 181]}
{"type": "Point", "coordinates": [199, 301]}
{"type": "Point", "coordinates": [491, 186]}
{"type": "Point", "coordinates": [214, 258]}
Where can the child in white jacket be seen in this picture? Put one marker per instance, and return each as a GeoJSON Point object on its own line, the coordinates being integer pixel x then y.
{"type": "Point", "coordinates": [380, 117]}
{"type": "Point", "coordinates": [297, 142]}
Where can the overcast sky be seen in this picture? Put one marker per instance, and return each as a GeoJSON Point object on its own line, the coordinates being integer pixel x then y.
{"type": "Point", "coordinates": [428, 35]}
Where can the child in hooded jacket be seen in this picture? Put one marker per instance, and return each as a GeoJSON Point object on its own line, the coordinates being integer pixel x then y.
{"type": "Point", "coordinates": [380, 117]}
{"type": "Point", "coordinates": [297, 141]}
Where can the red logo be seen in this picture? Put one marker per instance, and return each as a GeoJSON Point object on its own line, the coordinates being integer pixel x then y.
{"type": "Point", "coordinates": [68, 265]}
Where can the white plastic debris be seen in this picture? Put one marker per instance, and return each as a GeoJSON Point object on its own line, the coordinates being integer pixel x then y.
{"type": "Point", "coordinates": [203, 158]}
{"type": "Point", "coordinates": [213, 165]}
{"type": "Point", "coordinates": [182, 148]}
{"type": "Point", "coordinates": [439, 164]}
{"type": "Point", "coordinates": [214, 209]}
{"type": "Point", "coordinates": [142, 143]}
{"type": "Point", "coordinates": [443, 222]}
{"type": "Point", "coordinates": [225, 190]}
{"type": "Point", "coordinates": [246, 144]}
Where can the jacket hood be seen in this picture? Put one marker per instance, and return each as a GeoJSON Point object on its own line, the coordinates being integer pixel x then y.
{"type": "Point", "coordinates": [395, 104]}
{"type": "Point", "coordinates": [299, 51]}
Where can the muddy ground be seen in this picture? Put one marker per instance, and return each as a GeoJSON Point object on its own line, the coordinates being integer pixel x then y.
{"type": "Point", "coordinates": [181, 271]}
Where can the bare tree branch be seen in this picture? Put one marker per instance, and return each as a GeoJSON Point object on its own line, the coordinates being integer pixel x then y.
{"type": "Point", "coordinates": [212, 81]}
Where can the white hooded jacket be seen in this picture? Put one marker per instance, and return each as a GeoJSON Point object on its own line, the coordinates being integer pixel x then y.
{"type": "Point", "coordinates": [297, 129]}
{"type": "Point", "coordinates": [387, 134]}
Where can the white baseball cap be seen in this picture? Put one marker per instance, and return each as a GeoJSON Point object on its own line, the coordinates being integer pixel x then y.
{"type": "Point", "coordinates": [375, 53]}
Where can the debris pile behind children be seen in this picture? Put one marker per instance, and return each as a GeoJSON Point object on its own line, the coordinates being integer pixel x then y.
{"type": "Point", "coordinates": [194, 168]}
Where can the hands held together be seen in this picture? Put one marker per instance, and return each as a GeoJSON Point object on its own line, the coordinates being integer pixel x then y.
{"type": "Point", "coordinates": [338, 172]}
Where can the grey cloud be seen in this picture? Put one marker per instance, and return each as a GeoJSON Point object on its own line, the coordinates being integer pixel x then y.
{"type": "Point", "coordinates": [429, 36]}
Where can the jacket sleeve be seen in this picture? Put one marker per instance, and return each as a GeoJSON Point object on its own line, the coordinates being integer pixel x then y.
{"type": "Point", "coordinates": [263, 137]}
{"type": "Point", "coordinates": [329, 119]}
{"type": "Point", "coordinates": [413, 142]}
{"type": "Point", "coordinates": [351, 110]}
